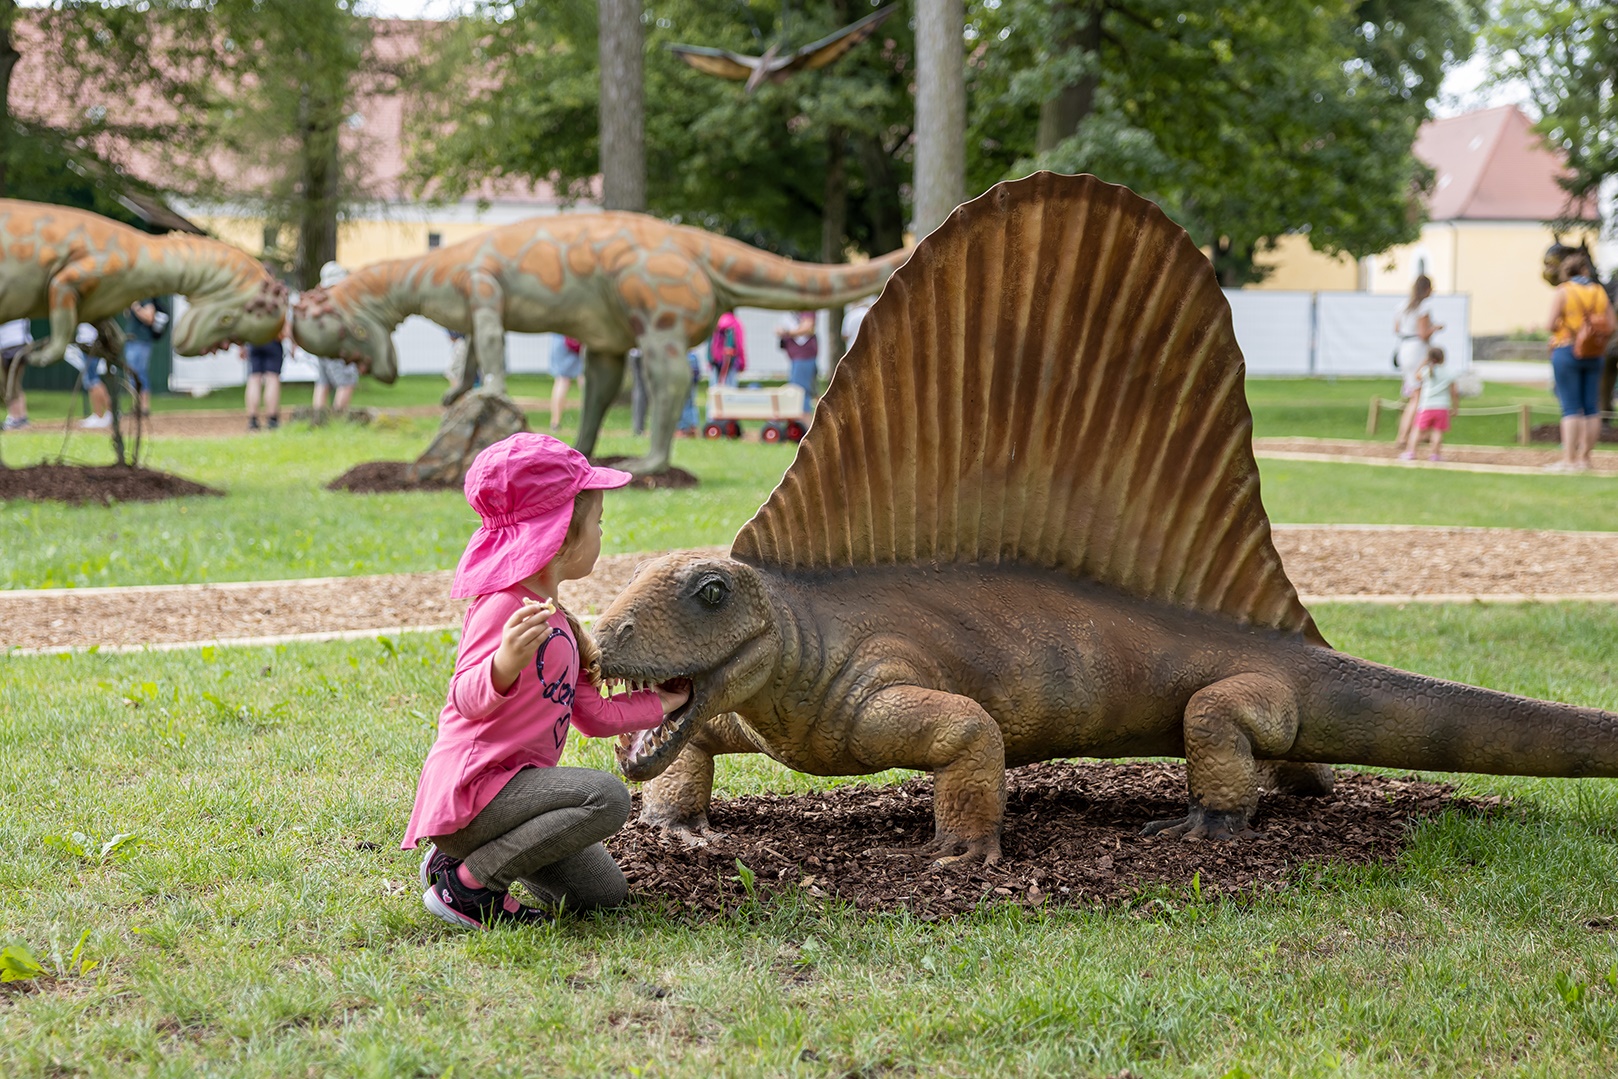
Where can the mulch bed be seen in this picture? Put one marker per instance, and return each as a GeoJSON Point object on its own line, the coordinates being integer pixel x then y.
{"type": "Point", "coordinates": [1071, 839]}
{"type": "Point", "coordinates": [672, 479]}
{"type": "Point", "coordinates": [106, 484]}
{"type": "Point", "coordinates": [381, 477]}
{"type": "Point", "coordinates": [1552, 432]}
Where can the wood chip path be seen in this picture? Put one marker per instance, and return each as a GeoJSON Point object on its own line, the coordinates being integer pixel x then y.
{"type": "Point", "coordinates": [1361, 563]}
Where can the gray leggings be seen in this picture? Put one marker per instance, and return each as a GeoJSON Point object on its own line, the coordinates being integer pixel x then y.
{"type": "Point", "coordinates": [545, 829]}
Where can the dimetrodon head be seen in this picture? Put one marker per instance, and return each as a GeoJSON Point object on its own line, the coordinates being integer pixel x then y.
{"type": "Point", "coordinates": [688, 618]}
{"type": "Point", "coordinates": [346, 321]}
{"type": "Point", "coordinates": [250, 308]}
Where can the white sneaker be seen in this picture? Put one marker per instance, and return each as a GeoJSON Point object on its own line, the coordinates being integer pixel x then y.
{"type": "Point", "coordinates": [96, 423]}
{"type": "Point", "coordinates": [15, 423]}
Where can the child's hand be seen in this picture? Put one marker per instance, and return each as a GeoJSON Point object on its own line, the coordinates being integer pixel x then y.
{"type": "Point", "coordinates": [673, 699]}
{"type": "Point", "coordinates": [520, 640]}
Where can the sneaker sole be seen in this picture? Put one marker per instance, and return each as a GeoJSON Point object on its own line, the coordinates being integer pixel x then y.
{"type": "Point", "coordinates": [422, 874]}
{"type": "Point", "coordinates": [440, 909]}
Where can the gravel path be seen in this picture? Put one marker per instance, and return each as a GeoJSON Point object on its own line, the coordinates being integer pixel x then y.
{"type": "Point", "coordinates": [1509, 459]}
{"type": "Point", "coordinates": [1325, 562]}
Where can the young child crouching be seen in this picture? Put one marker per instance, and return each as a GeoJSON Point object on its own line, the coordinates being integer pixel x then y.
{"type": "Point", "coordinates": [491, 798]}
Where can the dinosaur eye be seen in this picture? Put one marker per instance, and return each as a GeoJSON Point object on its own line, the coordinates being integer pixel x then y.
{"type": "Point", "coordinates": [713, 592]}
{"type": "Point", "coordinates": [227, 319]}
{"type": "Point", "coordinates": [359, 332]}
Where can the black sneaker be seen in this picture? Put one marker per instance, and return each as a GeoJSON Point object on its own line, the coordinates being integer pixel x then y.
{"type": "Point", "coordinates": [275, 421]}
{"type": "Point", "coordinates": [252, 423]}
{"type": "Point", "coordinates": [476, 908]}
{"type": "Point", "coordinates": [434, 862]}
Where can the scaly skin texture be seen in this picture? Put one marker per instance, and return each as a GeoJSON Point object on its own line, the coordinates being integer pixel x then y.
{"type": "Point", "coordinates": [967, 670]}
{"type": "Point", "coordinates": [614, 281]}
{"type": "Point", "coordinates": [1025, 525]}
{"type": "Point", "coordinates": [72, 266]}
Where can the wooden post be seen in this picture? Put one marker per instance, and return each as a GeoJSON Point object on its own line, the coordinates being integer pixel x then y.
{"type": "Point", "coordinates": [1525, 422]}
{"type": "Point", "coordinates": [1374, 416]}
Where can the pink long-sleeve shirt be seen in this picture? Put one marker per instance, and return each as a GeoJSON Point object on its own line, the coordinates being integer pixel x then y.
{"type": "Point", "coordinates": [486, 737]}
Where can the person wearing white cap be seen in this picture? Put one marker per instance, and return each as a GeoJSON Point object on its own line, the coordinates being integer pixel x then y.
{"type": "Point", "coordinates": [337, 376]}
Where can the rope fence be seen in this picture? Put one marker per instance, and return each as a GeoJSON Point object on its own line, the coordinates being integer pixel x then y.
{"type": "Point", "coordinates": [1523, 412]}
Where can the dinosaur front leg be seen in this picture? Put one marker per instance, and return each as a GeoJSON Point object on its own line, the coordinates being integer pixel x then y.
{"type": "Point", "coordinates": [955, 739]}
{"type": "Point", "coordinates": [63, 298]}
{"type": "Point", "coordinates": [677, 801]}
{"type": "Point", "coordinates": [603, 378]}
{"type": "Point", "coordinates": [1225, 725]}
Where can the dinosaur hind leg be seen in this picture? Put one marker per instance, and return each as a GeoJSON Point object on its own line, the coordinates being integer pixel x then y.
{"type": "Point", "coordinates": [1225, 725]}
{"type": "Point", "coordinates": [603, 377]}
{"type": "Point", "coordinates": [1297, 777]}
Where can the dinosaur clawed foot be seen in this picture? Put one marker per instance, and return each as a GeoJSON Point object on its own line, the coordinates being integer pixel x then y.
{"type": "Point", "coordinates": [946, 849]}
{"type": "Point", "coordinates": [1203, 823]}
{"type": "Point", "coordinates": [691, 831]}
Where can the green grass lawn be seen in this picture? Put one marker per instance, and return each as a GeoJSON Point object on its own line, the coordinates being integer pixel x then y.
{"type": "Point", "coordinates": [1336, 408]}
{"type": "Point", "coordinates": [261, 921]}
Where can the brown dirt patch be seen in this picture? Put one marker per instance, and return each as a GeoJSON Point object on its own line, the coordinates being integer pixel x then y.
{"type": "Point", "coordinates": [382, 477]}
{"type": "Point", "coordinates": [1071, 838]}
{"type": "Point", "coordinates": [1552, 432]}
{"type": "Point", "coordinates": [106, 484]}
{"type": "Point", "coordinates": [673, 479]}
{"type": "Point", "coordinates": [1517, 457]}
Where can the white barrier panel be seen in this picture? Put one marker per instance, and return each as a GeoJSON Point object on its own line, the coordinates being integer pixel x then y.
{"type": "Point", "coordinates": [1274, 329]}
{"type": "Point", "coordinates": [1357, 335]}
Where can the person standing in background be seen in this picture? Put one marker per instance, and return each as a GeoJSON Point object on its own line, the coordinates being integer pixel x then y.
{"type": "Point", "coordinates": [567, 364]}
{"type": "Point", "coordinates": [796, 334]}
{"type": "Point", "coordinates": [727, 350]}
{"type": "Point", "coordinates": [1578, 299]}
{"type": "Point", "coordinates": [264, 380]}
{"type": "Point", "coordinates": [335, 377]}
{"type": "Point", "coordinates": [1415, 327]}
{"type": "Point", "coordinates": [148, 322]}
{"type": "Point", "coordinates": [14, 340]}
{"type": "Point", "coordinates": [90, 367]}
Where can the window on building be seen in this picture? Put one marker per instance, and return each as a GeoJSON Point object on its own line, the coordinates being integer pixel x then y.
{"type": "Point", "coordinates": [435, 239]}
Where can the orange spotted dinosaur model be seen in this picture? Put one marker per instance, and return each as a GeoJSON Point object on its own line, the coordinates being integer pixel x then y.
{"type": "Point", "coordinates": [73, 266]}
{"type": "Point", "coordinates": [1026, 525]}
{"type": "Point", "coordinates": [614, 281]}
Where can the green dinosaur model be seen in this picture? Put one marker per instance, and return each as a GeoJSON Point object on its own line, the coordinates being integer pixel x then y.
{"type": "Point", "coordinates": [73, 266]}
{"type": "Point", "coordinates": [1026, 524]}
{"type": "Point", "coordinates": [615, 281]}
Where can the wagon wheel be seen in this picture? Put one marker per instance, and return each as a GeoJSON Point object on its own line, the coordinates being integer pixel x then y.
{"type": "Point", "coordinates": [713, 429]}
{"type": "Point", "coordinates": [772, 432]}
{"type": "Point", "coordinates": [733, 429]}
{"type": "Point", "coordinates": [796, 430]}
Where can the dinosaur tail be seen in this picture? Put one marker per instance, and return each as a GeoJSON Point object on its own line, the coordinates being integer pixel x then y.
{"type": "Point", "coordinates": [1364, 713]}
{"type": "Point", "coordinates": [747, 277]}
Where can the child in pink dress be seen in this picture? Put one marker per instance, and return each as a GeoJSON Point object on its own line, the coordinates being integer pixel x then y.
{"type": "Point", "coordinates": [491, 797]}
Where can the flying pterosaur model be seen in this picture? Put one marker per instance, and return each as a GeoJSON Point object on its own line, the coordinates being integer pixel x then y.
{"type": "Point", "coordinates": [773, 66]}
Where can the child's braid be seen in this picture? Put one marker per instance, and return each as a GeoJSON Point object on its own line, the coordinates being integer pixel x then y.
{"type": "Point", "coordinates": [589, 651]}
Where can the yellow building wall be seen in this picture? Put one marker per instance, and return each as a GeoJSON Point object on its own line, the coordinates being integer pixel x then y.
{"type": "Point", "coordinates": [1497, 263]}
{"type": "Point", "coordinates": [1297, 267]}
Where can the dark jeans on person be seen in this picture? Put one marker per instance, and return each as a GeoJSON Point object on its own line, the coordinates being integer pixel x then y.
{"type": "Point", "coordinates": [1577, 382]}
{"type": "Point", "coordinates": [545, 829]}
{"type": "Point", "coordinates": [803, 373]}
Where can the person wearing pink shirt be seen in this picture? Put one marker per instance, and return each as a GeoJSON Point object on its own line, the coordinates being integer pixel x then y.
{"type": "Point", "coordinates": [491, 797]}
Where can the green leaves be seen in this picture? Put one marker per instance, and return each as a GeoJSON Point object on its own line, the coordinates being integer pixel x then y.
{"type": "Point", "coordinates": [17, 964]}
{"type": "Point", "coordinates": [87, 849]}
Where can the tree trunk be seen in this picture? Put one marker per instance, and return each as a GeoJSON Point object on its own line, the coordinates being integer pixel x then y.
{"type": "Point", "coordinates": [8, 60]}
{"type": "Point", "coordinates": [1059, 118]}
{"type": "Point", "coordinates": [883, 206]}
{"type": "Point", "coordinates": [833, 226]}
{"type": "Point", "coordinates": [318, 193]}
{"type": "Point", "coordinates": [940, 182]}
{"type": "Point", "coordinates": [623, 106]}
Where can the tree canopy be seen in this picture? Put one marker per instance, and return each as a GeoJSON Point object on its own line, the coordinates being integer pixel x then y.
{"type": "Point", "coordinates": [1567, 56]}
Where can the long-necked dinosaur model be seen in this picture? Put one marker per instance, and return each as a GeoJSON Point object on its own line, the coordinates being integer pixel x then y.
{"type": "Point", "coordinates": [73, 266]}
{"type": "Point", "coordinates": [614, 281]}
{"type": "Point", "coordinates": [1026, 524]}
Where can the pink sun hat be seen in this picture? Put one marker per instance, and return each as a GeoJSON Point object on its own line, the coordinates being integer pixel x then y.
{"type": "Point", "coordinates": [523, 488]}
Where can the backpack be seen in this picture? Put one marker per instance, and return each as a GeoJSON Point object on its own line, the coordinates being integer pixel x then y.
{"type": "Point", "coordinates": [1590, 339]}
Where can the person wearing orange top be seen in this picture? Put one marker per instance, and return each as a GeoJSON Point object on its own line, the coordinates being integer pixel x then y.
{"type": "Point", "coordinates": [1577, 379]}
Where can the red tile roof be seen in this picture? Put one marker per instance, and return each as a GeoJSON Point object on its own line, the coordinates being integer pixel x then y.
{"type": "Point", "coordinates": [1491, 165]}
